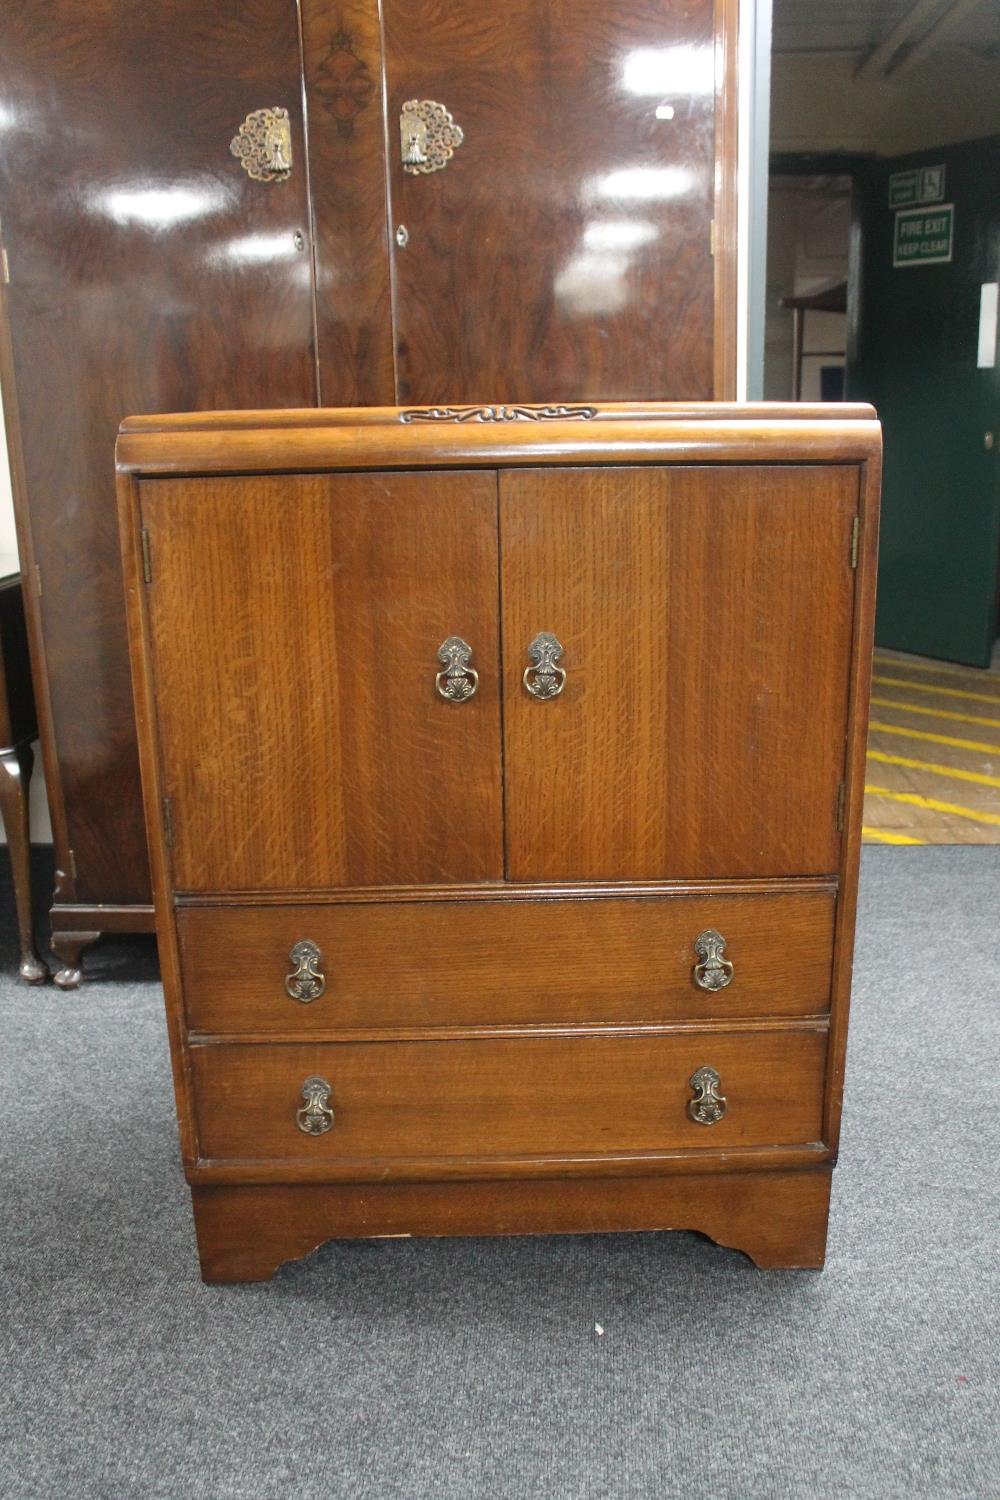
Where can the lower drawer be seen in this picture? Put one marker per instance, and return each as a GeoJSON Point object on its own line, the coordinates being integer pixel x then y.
{"type": "Point", "coordinates": [544, 1095]}
{"type": "Point", "coordinates": [609, 960]}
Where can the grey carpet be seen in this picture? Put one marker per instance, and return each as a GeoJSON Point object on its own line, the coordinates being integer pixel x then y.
{"type": "Point", "coordinates": [472, 1368]}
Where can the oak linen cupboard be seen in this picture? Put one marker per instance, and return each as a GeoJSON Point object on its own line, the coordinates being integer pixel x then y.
{"type": "Point", "coordinates": [503, 778]}
{"type": "Point", "coordinates": [293, 203]}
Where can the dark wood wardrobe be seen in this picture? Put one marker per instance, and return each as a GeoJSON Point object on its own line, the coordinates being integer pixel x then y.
{"type": "Point", "coordinates": [258, 203]}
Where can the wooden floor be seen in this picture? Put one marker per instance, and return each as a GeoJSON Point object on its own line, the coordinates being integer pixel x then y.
{"type": "Point", "coordinates": [933, 753]}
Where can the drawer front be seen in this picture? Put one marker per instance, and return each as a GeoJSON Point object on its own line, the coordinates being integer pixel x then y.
{"type": "Point", "coordinates": [452, 963]}
{"type": "Point", "coordinates": [513, 1097]}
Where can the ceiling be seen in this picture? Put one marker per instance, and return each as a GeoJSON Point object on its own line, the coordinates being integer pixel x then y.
{"type": "Point", "coordinates": [860, 25]}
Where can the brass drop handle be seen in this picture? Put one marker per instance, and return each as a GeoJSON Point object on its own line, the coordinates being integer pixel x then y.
{"type": "Point", "coordinates": [544, 678]}
{"type": "Point", "coordinates": [457, 681]}
{"type": "Point", "coordinates": [708, 1106]}
{"type": "Point", "coordinates": [713, 972]}
{"type": "Point", "coordinates": [263, 145]}
{"type": "Point", "coordinates": [428, 136]}
{"type": "Point", "coordinates": [315, 1117]}
{"type": "Point", "coordinates": [305, 982]}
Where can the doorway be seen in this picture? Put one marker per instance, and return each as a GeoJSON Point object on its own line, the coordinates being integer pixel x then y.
{"type": "Point", "coordinates": [883, 273]}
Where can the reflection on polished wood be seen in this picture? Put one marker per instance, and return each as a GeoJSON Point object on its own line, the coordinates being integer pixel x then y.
{"type": "Point", "coordinates": [148, 272]}
{"type": "Point", "coordinates": [567, 249]}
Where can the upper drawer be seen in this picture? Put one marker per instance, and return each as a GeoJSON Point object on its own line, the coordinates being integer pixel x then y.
{"type": "Point", "coordinates": [404, 965]}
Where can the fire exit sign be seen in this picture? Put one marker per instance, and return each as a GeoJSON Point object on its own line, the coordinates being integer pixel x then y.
{"type": "Point", "coordinates": [924, 236]}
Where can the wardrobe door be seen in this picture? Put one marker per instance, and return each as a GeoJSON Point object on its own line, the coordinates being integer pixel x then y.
{"type": "Point", "coordinates": [563, 249]}
{"type": "Point", "coordinates": [343, 729]}
{"type": "Point", "coordinates": [149, 271]}
{"type": "Point", "coordinates": [703, 622]}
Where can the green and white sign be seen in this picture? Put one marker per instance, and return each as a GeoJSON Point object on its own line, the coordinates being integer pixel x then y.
{"type": "Point", "coordinates": [924, 236]}
{"type": "Point", "coordinates": [920, 185]}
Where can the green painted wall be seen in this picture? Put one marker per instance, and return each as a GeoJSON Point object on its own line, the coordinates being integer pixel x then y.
{"type": "Point", "coordinates": [913, 353]}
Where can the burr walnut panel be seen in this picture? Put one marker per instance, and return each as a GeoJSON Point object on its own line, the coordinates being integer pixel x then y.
{"type": "Point", "coordinates": [342, 66]}
{"type": "Point", "coordinates": [148, 272]}
{"type": "Point", "coordinates": [565, 251]}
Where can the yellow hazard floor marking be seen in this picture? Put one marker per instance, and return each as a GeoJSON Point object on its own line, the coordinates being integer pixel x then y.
{"type": "Point", "coordinates": [932, 711]}
{"type": "Point", "coordinates": [947, 669]}
{"type": "Point", "coordinates": [979, 777]}
{"type": "Point", "coordinates": [914, 799]}
{"type": "Point", "coordinates": [879, 836]}
{"type": "Point", "coordinates": [928, 687]}
{"type": "Point", "coordinates": [936, 739]}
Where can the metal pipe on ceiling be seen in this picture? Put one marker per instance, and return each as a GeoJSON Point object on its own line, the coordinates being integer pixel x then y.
{"type": "Point", "coordinates": [878, 61]}
{"type": "Point", "coordinates": [932, 39]}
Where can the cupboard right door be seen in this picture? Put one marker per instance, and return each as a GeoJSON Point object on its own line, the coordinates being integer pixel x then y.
{"type": "Point", "coordinates": [703, 619]}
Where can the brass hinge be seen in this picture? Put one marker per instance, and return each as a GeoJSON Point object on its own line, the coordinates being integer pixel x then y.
{"type": "Point", "coordinates": [841, 796]}
{"type": "Point", "coordinates": [147, 571]}
{"type": "Point", "coordinates": [168, 822]}
{"type": "Point", "coordinates": [711, 237]}
{"type": "Point", "coordinates": [4, 266]}
{"type": "Point", "coordinates": [855, 530]}
{"type": "Point", "coordinates": [38, 580]}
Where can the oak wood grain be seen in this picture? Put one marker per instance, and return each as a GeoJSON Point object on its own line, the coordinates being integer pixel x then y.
{"type": "Point", "coordinates": [391, 438]}
{"type": "Point", "coordinates": [505, 963]}
{"type": "Point", "coordinates": [544, 1096]}
{"type": "Point", "coordinates": [854, 794]}
{"type": "Point", "coordinates": [779, 1219]}
{"type": "Point", "coordinates": [518, 1124]}
{"type": "Point", "coordinates": [314, 748]}
{"type": "Point", "coordinates": [706, 616]}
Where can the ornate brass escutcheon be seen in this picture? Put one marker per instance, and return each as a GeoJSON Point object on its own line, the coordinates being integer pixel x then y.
{"type": "Point", "coordinates": [457, 681]}
{"type": "Point", "coordinates": [305, 982]}
{"type": "Point", "coordinates": [713, 972]}
{"type": "Point", "coordinates": [315, 1117]}
{"type": "Point", "coordinates": [708, 1106]}
{"type": "Point", "coordinates": [263, 145]}
{"type": "Point", "coordinates": [544, 678]}
{"type": "Point", "coordinates": [428, 136]}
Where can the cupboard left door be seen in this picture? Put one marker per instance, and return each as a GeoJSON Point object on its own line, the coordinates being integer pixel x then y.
{"type": "Point", "coordinates": [149, 271]}
{"type": "Point", "coordinates": [325, 660]}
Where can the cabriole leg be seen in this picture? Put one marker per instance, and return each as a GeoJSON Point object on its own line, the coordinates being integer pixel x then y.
{"type": "Point", "coordinates": [15, 781]}
{"type": "Point", "coordinates": [68, 947]}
